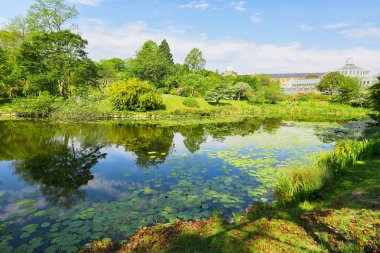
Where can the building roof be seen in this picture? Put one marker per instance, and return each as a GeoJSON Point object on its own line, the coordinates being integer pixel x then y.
{"type": "Point", "coordinates": [294, 75]}
{"type": "Point", "coordinates": [349, 66]}
{"type": "Point", "coordinates": [290, 83]}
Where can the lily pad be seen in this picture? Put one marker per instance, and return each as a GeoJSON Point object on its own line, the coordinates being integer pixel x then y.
{"type": "Point", "coordinates": [45, 225]}
{"type": "Point", "coordinates": [40, 213]}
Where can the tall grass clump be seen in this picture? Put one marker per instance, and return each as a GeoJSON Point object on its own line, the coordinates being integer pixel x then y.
{"type": "Point", "coordinates": [301, 183]}
{"type": "Point", "coordinates": [346, 153]}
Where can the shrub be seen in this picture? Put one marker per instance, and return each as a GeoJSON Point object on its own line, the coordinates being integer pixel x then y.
{"type": "Point", "coordinates": [173, 91]}
{"type": "Point", "coordinates": [89, 106]}
{"type": "Point", "coordinates": [134, 95]}
{"type": "Point", "coordinates": [308, 96]}
{"type": "Point", "coordinates": [39, 106]}
{"type": "Point", "coordinates": [191, 102]}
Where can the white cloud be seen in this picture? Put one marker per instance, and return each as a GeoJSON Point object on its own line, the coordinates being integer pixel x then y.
{"type": "Point", "coordinates": [247, 57]}
{"type": "Point", "coordinates": [256, 18]}
{"type": "Point", "coordinates": [336, 25]}
{"type": "Point", "coordinates": [305, 28]}
{"type": "Point", "coordinates": [195, 5]}
{"type": "Point", "coordinates": [88, 2]}
{"type": "Point", "coordinates": [362, 33]}
{"type": "Point", "coordinates": [239, 6]}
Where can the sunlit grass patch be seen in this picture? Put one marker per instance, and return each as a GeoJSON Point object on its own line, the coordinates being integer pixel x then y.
{"type": "Point", "coordinates": [301, 183]}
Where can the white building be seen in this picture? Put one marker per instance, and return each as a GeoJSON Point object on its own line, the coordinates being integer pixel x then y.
{"type": "Point", "coordinates": [292, 87]}
{"type": "Point", "coordinates": [349, 69]}
{"type": "Point", "coordinates": [300, 86]}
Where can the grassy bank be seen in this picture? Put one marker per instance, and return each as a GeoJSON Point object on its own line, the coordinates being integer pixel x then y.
{"type": "Point", "coordinates": [301, 183]}
{"type": "Point", "coordinates": [342, 218]}
{"type": "Point", "coordinates": [92, 108]}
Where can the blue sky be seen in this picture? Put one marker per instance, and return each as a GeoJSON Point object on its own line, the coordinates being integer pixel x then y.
{"type": "Point", "coordinates": [250, 36]}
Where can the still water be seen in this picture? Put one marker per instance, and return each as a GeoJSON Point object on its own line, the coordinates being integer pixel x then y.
{"type": "Point", "coordinates": [63, 185]}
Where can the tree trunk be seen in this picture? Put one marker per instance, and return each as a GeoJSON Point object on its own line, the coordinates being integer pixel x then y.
{"type": "Point", "coordinates": [61, 87]}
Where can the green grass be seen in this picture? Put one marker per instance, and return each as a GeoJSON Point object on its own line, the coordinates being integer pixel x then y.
{"type": "Point", "coordinates": [173, 103]}
{"type": "Point", "coordinates": [174, 107]}
{"type": "Point", "coordinates": [305, 181]}
{"type": "Point", "coordinates": [344, 219]}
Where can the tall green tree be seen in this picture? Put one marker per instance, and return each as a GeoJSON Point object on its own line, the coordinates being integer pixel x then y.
{"type": "Point", "coordinates": [149, 65]}
{"type": "Point", "coordinates": [375, 95]}
{"type": "Point", "coordinates": [348, 90]}
{"type": "Point", "coordinates": [344, 89]}
{"type": "Point", "coordinates": [107, 72]}
{"type": "Point", "coordinates": [50, 15]}
{"type": "Point", "coordinates": [165, 50]}
{"type": "Point", "coordinates": [251, 80]}
{"type": "Point", "coordinates": [50, 60]}
{"type": "Point", "coordinates": [195, 61]}
{"type": "Point", "coordinates": [330, 82]}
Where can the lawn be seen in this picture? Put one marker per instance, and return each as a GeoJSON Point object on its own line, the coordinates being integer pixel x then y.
{"type": "Point", "coordinates": [310, 110]}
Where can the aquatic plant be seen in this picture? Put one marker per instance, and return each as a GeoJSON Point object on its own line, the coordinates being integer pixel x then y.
{"type": "Point", "coordinates": [300, 183]}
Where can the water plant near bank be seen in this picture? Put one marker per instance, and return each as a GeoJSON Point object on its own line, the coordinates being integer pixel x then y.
{"type": "Point", "coordinates": [307, 180]}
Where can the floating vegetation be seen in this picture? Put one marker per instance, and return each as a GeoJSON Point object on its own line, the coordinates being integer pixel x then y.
{"type": "Point", "coordinates": [119, 178]}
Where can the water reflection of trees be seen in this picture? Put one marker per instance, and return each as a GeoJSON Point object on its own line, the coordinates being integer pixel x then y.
{"type": "Point", "coordinates": [51, 158]}
{"type": "Point", "coordinates": [150, 144]}
{"type": "Point", "coordinates": [194, 136]}
{"type": "Point", "coordinates": [60, 170]}
{"type": "Point", "coordinates": [242, 128]}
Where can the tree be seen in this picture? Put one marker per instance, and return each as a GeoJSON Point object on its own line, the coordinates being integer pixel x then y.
{"type": "Point", "coordinates": [49, 61]}
{"type": "Point", "coordinates": [251, 80]}
{"type": "Point", "coordinates": [106, 72]}
{"type": "Point", "coordinates": [273, 93]}
{"type": "Point", "coordinates": [165, 50]}
{"type": "Point", "coordinates": [50, 15]}
{"type": "Point", "coordinates": [241, 89]}
{"type": "Point", "coordinates": [195, 61]}
{"type": "Point", "coordinates": [348, 90]}
{"type": "Point", "coordinates": [220, 92]}
{"type": "Point", "coordinates": [375, 95]}
{"type": "Point", "coordinates": [149, 65]}
{"type": "Point", "coordinates": [263, 79]}
{"type": "Point", "coordinates": [19, 25]}
{"type": "Point", "coordinates": [330, 82]}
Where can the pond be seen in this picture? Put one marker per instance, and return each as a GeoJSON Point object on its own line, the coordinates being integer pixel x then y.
{"type": "Point", "coordinates": [65, 184]}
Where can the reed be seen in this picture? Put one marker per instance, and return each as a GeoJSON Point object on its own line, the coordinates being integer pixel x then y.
{"type": "Point", "coordinates": [302, 183]}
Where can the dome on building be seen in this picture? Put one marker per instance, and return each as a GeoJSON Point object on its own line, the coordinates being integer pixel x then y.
{"type": "Point", "coordinates": [350, 61]}
{"type": "Point", "coordinates": [349, 69]}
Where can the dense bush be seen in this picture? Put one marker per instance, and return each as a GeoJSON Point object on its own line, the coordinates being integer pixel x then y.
{"type": "Point", "coordinates": [88, 106]}
{"type": "Point", "coordinates": [308, 97]}
{"type": "Point", "coordinates": [134, 95]}
{"type": "Point", "coordinates": [39, 106]}
{"type": "Point", "coordinates": [270, 94]}
{"type": "Point", "coordinates": [190, 102]}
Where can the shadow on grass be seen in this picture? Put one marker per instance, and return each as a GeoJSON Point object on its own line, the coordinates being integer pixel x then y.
{"type": "Point", "coordinates": [218, 104]}
{"type": "Point", "coordinates": [4, 101]}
